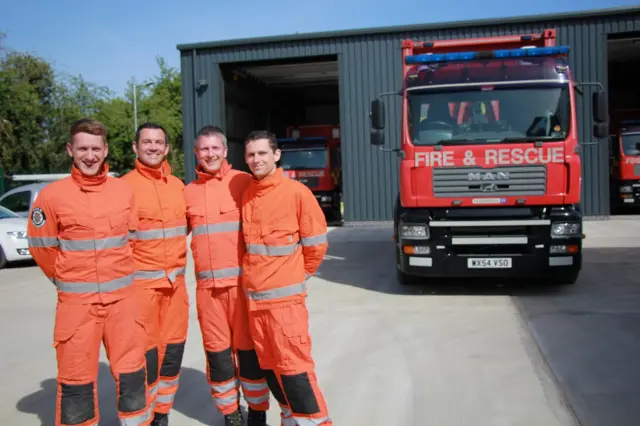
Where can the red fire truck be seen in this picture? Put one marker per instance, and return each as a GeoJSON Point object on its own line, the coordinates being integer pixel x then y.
{"type": "Point", "coordinates": [490, 171]}
{"type": "Point", "coordinates": [625, 159]}
{"type": "Point", "coordinates": [311, 155]}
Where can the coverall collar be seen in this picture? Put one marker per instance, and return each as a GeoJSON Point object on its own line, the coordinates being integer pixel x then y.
{"type": "Point", "coordinates": [220, 174]}
{"type": "Point", "coordinates": [90, 183]}
{"type": "Point", "coordinates": [160, 173]}
{"type": "Point", "coordinates": [269, 182]}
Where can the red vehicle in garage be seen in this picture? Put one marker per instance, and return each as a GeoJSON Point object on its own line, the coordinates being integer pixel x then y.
{"type": "Point", "coordinates": [625, 159]}
{"type": "Point", "coordinates": [490, 172]}
{"type": "Point", "coordinates": [311, 155]}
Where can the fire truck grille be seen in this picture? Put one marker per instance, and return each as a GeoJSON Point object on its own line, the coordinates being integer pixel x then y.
{"type": "Point", "coordinates": [308, 181]}
{"type": "Point", "coordinates": [636, 169]}
{"type": "Point", "coordinates": [451, 182]}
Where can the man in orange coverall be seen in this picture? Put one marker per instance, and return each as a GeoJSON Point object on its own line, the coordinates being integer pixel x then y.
{"type": "Point", "coordinates": [286, 236]}
{"type": "Point", "coordinates": [213, 205]}
{"type": "Point", "coordinates": [160, 253]}
{"type": "Point", "coordinates": [78, 234]}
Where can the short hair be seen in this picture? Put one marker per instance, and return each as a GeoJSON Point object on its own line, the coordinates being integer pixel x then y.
{"type": "Point", "coordinates": [262, 134]}
{"type": "Point", "coordinates": [211, 130]}
{"type": "Point", "coordinates": [88, 125]}
{"type": "Point", "coordinates": [150, 125]}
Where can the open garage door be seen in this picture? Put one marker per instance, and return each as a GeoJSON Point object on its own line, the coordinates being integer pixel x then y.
{"type": "Point", "coordinates": [296, 98]}
{"type": "Point", "coordinates": [623, 53]}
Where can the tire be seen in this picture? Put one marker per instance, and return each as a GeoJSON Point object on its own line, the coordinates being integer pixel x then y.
{"type": "Point", "coordinates": [402, 278]}
{"type": "Point", "coordinates": [567, 278]}
{"type": "Point", "coordinates": [3, 259]}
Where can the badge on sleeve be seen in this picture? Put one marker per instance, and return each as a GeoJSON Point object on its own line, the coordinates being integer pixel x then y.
{"type": "Point", "coordinates": [38, 217]}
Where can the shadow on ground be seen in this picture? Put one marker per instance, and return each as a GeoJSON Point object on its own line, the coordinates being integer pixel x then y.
{"type": "Point", "coordinates": [588, 332]}
{"type": "Point", "coordinates": [193, 400]}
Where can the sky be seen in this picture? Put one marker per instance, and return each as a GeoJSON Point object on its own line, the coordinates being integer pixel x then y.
{"type": "Point", "coordinates": [111, 42]}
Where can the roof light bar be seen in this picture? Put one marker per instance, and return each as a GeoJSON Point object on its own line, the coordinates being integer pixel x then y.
{"type": "Point", "coordinates": [469, 56]}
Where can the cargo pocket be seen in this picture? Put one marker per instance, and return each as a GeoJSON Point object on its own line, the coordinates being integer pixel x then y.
{"type": "Point", "coordinates": [74, 342]}
{"type": "Point", "coordinates": [294, 348]}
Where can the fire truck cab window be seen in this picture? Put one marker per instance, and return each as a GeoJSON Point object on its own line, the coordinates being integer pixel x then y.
{"type": "Point", "coordinates": [303, 159]}
{"type": "Point", "coordinates": [485, 115]}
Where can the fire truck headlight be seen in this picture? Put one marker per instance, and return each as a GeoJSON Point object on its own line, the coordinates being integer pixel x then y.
{"type": "Point", "coordinates": [565, 229]}
{"type": "Point", "coordinates": [415, 232]}
{"type": "Point", "coordinates": [626, 189]}
{"type": "Point", "coordinates": [325, 198]}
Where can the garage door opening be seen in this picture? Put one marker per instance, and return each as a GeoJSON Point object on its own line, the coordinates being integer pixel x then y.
{"type": "Point", "coordinates": [299, 101]}
{"type": "Point", "coordinates": [624, 112]}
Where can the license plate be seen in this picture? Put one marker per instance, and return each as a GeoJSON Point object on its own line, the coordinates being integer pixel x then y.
{"type": "Point", "coordinates": [489, 262]}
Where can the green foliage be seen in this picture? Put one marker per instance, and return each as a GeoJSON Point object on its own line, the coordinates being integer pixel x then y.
{"type": "Point", "coordinates": [38, 106]}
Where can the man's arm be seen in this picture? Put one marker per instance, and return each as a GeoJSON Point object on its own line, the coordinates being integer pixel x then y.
{"type": "Point", "coordinates": [42, 232]}
{"type": "Point", "coordinates": [313, 231]}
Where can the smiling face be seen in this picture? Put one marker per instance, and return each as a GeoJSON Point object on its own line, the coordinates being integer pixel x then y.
{"type": "Point", "coordinates": [261, 157]}
{"type": "Point", "coordinates": [152, 147]}
{"type": "Point", "coordinates": [88, 152]}
{"type": "Point", "coordinates": [210, 152]}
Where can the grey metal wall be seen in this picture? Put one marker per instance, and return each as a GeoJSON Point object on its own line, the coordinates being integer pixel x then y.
{"type": "Point", "coordinates": [371, 64]}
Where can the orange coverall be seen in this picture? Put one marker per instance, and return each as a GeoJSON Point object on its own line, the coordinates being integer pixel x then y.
{"type": "Point", "coordinates": [78, 235]}
{"type": "Point", "coordinates": [286, 236]}
{"type": "Point", "coordinates": [213, 208]}
{"type": "Point", "coordinates": [160, 253]}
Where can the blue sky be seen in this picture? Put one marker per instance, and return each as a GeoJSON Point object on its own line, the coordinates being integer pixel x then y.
{"type": "Point", "coordinates": [112, 41]}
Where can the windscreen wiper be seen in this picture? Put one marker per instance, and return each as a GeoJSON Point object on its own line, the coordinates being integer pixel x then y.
{"type": "Point", "coordinates": [526, 139]}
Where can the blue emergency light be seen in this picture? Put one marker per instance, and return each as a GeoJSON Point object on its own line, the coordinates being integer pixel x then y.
{"type": "Point", "coordinates": [469, 56]}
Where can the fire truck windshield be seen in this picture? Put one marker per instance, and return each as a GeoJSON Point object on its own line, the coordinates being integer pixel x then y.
{"type": "Point", "coordinates": [488, 114]}
{"type": "Point", "coordinates": [304, 158]}
{"type": "Point", "coordinates": [631, 144]}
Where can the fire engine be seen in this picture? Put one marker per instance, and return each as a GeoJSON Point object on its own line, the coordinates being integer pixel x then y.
{"type": "Point", "coordinates": [490, 172]}
{"type": "Point", "coordinates": [625, 159]}
{"type": "Point", "coordinates": [311, 155]}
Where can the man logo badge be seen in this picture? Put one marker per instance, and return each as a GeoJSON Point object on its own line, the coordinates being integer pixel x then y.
{"type": "Point", "coordinates": [489, 187]}
{"type": "Point", "coordinates": [488, 176]}
{"type": "Point", "coordinates": [38, 217]}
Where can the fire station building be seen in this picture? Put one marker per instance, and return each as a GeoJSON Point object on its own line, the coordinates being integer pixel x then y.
{"type": "Point", "coordinates": [332, 77]}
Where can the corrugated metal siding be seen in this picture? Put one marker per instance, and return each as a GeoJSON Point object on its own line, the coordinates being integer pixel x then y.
{"type": "Point", "coordinates": [370, 65]}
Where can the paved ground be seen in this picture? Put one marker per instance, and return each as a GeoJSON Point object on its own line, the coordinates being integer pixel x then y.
{"type": "Point", "coordinates": [386, 355]}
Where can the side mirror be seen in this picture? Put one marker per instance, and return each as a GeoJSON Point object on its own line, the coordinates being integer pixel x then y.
{"type": "Point", "coordinates": [377, 114]}
{"type": "Point", "coordinates": [600, 112]}
{"type": "Point", "coordinates": [377, 137]}
{"type": "Point", "coordinates": [601, 130]}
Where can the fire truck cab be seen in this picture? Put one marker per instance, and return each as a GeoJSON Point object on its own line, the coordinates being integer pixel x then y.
{"type": "Point", "coordinates": [311, 154]}
{"type": "Point", "coordinates": [625, 164]}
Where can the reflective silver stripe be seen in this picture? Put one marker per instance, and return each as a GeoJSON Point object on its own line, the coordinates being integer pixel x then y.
{"type": "Point", "coordinates": [312, 241]}
{"type": "Point", "coordinates": [168, 383]}
{"type": "Point", "coordinates": [226, 387]}
{"type": "Point", "coordinates": [156, 234]}
{"type": "Point", "coordinates": [42, 242]}
{"type": "Point", "coordinates": [256, 399]}
{"type": "Point", "coordinates": [226, 400]}
{"type": "Point", "coordinates": [306, 421]}
{"type": "Point", "coordinates": [277, 293]}
{"type": "Point", "coordinates": [247, 386]}
{"type": "Point", "coordinates": [272, 250]}
{"type": "Point", "coordinates": [287, 420]}
{"type": "Point", "coordinates": [165, 399]}
{"type": "Point", "coordinates": [153, 390]}
{"type": "Point", "coordinates": [220, 273]}
{"type": "Point", "coordinates": [139, 419]}
{"type": "Point", "coordinates": [152, 275]}
{"type": "Point", "coordinates": [89, 245]}
{"type": "Point", "coordinates": [213, 228]}
{"type": "Point", "coordinates": [79, 287]}
{"type": "Point", "coordinates": [132, 235]}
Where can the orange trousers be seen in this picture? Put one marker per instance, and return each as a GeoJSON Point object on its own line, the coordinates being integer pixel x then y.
{"type": "Point", "coordinates": [78, 333]}
{"type": "Point", "coordinates": [166, 317]}
{"type": "Point", "coordinates": [282, 341]}
{"type": "Point", "coordinates": [231, 359]}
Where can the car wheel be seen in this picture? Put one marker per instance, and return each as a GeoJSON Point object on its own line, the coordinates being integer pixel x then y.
{"type": "Point", "coordinates": [3, 259]}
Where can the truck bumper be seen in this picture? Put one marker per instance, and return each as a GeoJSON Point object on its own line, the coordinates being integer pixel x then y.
{"type": "Point", "coordinates": [492, 247]}
{"type": "Point", "coordinates": [443, 263]}
{"type": "Point", "coordinates": [628, 199]}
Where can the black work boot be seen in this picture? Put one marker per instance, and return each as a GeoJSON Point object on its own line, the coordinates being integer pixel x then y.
{"type": "Point", "coordinates": [257, 418]}
{"type": "Point", "coordinates": [160, 419]}
{"type": "Point", "coordinates": [233, 419]}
